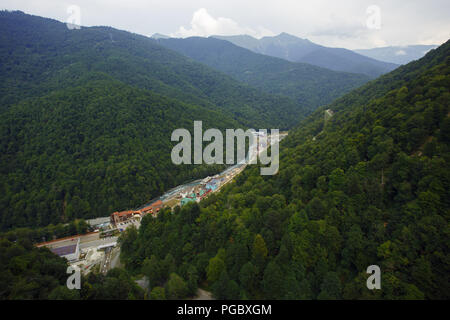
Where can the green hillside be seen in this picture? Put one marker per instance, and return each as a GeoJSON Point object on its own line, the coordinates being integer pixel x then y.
{"type": "Point", "coordinates": [87, 115]}
{"type": "Point", "coordinates": [40, 55]}
{"type": "Point", "coordinates": [90, 150]}
{"type": "Point", "coordinates": [308, 85]}
{"type": "Point", "coordinates": [369, 186]}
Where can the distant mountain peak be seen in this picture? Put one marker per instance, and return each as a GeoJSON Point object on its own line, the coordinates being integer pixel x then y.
{"type": "Point", "coordinates": [237, 36]}
{"type": "Point", "coordinates": [285, 35]}
{"type": "Point", "coordinates": [289, 37]}
{"type": "Point", "coordinates": [295, 49]}
{"type": "Point", "coordinates": [159, 36]}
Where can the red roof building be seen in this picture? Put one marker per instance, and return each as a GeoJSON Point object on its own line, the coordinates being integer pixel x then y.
{"type": "Point", "coordinates": [122, 216]}
{"type": "Point", "coordinates": [153, 208]}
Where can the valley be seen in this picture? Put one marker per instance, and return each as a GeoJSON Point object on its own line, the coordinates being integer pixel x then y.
{"type": "Point", "coordinates": [92, 175]}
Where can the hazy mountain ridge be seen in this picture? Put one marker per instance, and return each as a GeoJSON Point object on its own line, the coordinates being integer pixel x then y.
{"type": "Point", "coordinates": [397, 54]}
{"type": "Point", "coordinates": [295, 49]}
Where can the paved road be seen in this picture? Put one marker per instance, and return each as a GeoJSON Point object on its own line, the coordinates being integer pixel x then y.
{"type": "Point", "coordinates": [96, 243]}
{"type": "Point", "coordinates": [89, 237]}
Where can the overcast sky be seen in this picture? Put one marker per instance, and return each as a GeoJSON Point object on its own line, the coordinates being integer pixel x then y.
{"type": "Point", "coordinates": [344, 23]}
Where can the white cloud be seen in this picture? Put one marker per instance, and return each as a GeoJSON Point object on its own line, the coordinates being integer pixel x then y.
{"type": "Point", "coordinates": [400, 53]}
{"type": "Point", "coordinates": [328, 22]}
{"type": "Point", "coordinates": [204, 25]}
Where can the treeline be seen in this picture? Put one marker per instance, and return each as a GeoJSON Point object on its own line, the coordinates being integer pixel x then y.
{"type": "Point", "coordinates": [48, 233]}
{"type": "Point", "coordinates": [369, 186]}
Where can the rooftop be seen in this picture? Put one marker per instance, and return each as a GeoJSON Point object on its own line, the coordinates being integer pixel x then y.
{"type": "Point", "coordinates": [97, 221]}
{"type": "Point", "coordinates": [125, 213]}
{"type": "Point", "coordinates": [155, 204]}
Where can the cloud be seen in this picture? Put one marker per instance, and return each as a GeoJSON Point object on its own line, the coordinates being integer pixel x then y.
{"type": "Point", "coordinates": [400, 53]}
{"type": "Point", "coordinates": [331, 23]}
{"type": "Point", "coordinates": [204, 25]}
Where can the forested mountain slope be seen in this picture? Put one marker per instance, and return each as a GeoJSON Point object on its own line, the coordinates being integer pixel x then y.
{"type": "Point", "coordinates": [90, 150]}
{"type": "Point", "coordinates": [87, 116]}
{"type": "Point", "coordinates": [292, 48]}
{"type": "Point", "coordinates": [368, 186]}
{"type": "Point", "coordinates": [308, 85]}
{"type": "Point", "coordinates": [40, 55]}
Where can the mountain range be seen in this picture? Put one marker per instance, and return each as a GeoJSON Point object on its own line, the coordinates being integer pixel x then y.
{"type": "Point", "coordinates": [295, 49]}
{"type": "Point", "coordinates": [41, 55]}
{"type": "Point", "coordinates": [292, 48]}
{"type": "Point", "coordinates": [86, 117]}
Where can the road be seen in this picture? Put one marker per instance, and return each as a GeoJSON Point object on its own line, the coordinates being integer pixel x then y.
{"type": "Point", "coordinates": [106, 263]}
{"type": "Point", "coordinates": [96, 242]}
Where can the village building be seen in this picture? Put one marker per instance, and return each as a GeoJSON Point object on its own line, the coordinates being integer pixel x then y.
{"type": "Point", "coordinates": [118, 217]}
{"type": "Point", "coordinates": [152, 208]}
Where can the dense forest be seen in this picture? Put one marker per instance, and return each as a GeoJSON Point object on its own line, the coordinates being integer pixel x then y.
{"type": "Point", "coordinates": [49, 232]}
{"type": "Point", "coordinates": [42, 55]}
{"type": "Point", "coordinates": [368, 185]}
{"type": "Point", "coordinates": [85, 123]}
{"type": "Point", "coordinates": [91, 150]}
{"type": "Point", "coordinates": [86, 118]}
